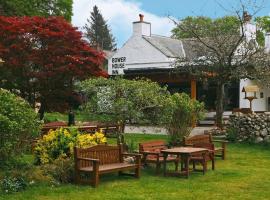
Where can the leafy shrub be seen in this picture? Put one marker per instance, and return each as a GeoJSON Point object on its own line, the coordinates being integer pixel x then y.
{"type": "Point", "coordinates": [38, 175]}
{"type": "Point", "coordinates": [121, 100]}
{"type": "Point", "coordinates": [232, 134]}
{"type": "Point", "coordinates": [61, 169]}
{"type": "Point", "coordinates": [13, 184]}
{"type": "Point", "coordinates": [183, 112]}
{"type": "Point", "coordinates": [18, 124]}
{"type": "Point", "coordinates": [60, 142]}
{"type": "Point", "coordinates": [131, 146]}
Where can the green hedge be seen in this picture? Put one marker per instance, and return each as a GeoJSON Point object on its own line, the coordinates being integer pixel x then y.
{"type": "Point", "coordinates": [18, 124]}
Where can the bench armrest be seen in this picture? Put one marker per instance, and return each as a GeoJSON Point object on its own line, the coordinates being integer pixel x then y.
{"type": "Point", "coordinates": [89, 159]}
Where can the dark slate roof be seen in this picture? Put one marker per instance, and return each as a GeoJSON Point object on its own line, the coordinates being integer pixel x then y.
{"type": "Point", "coordinates": [193, 49]}
{"type": "Point", "coordinates": [187, 49]}
{"type": "Point", "coordinates": [170, 47]}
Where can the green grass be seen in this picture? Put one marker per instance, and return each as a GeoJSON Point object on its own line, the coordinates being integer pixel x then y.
{"type": "Point", "coordinates": [82, 117]}
{"type": "Point", "coordinates": [244, 175]}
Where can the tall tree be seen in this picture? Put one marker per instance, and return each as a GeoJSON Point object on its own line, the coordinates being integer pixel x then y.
{"type": "Point", "coordinates": [42, 62]}
{"type": "Point", "coordinates": [263, 24]}
{"type": "Point", "coordinates": [98, 32]}
{"type": "Point", "coordinates": [223, 51]}
{"type": "Point", "coordinates": [37, 8]}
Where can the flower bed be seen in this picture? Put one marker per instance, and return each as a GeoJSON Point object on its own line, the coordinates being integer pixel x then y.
{"type": "Point", "coordinates": [60, 142]}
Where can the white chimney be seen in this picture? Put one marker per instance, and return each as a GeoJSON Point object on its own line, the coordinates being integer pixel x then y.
{"type": "Point", "coordinates": [250, 29]}
{"type": "Point", "coordinates": [141, 27]}
{"type": "Point", "coordinates": [267, 42]}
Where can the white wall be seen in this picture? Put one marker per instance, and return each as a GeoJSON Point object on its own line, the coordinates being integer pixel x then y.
{"type": "Point", "coordinates": [267, 42]}
{"type": "Point", "coordinates": [250, 31]}
{"type": "Point", "coordinates": [260, 104]}
{"type": "Point", "coordinates": [139, 53]}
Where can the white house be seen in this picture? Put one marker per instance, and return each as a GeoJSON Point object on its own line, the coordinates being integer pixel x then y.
{"type": "Point", "coordinates": [153, 56]}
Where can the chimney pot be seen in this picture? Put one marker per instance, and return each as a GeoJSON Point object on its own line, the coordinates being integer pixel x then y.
{"type": "Point", "coordinates": [246, 17]}
{"type": "Point", "coordinates": [141, 17]}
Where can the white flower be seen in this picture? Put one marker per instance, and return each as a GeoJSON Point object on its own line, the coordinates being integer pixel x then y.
{"type": "Point", "coordinates": [32, 182]}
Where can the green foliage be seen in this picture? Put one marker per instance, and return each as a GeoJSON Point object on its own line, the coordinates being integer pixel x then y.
{"type": "Point", "coordinates": [10, 184]}
{"type": "Point", "coordinates": [61, 169]}
{"type": "Point", "coordinates": [137, 100]}
{"type": "Point", "coordinates": [216, 45]}
{"type": "Point", "coordinates": [263, 24]}
{"type": "Point", "coordinates": [18, 124]}
{"type": "Point", "coordinates": [184, 112]}
{"type": "Point", "coordinates": [124, 100]}
{"type": "Point", "coordinates": [80, 116]}
{"type": "Point", "coordinates": [98, 32]}
{"type": "Point", "coordinates": [60, 143]}
{"type": "Point", "coordinates": [205, 26]}
{"type": "Point", "coordinates": [232, 134]}
{"type": "Point", "coordinates": [54, 117]}
{"type": "Point", "coordinates": [37, 8]}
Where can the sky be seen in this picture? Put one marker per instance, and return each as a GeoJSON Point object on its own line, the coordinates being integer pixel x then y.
{"type": "Point", "coordinates": [120, 14]}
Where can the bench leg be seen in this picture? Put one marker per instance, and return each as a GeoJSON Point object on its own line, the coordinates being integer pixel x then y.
{"type": "Point", "coordinates": [223, 151]}
{"type": "Point", "coordinates": [223, 154]}
{"type": "Point", "coordinates": [138, 169]}
{"type": "Point", "coordinates": [204, 166]}
{"type": "Point", "coordinates": [213, 164]}
{"type": "Point", "coordinates": [138, 172]}
{"type": "Point", "coordinates": [176, 165]}
{"type": "Point", "coordinates": [158, 166]}
{"type": "Point", "coordinates": [77, 177]}
{"type": "Point", "coordinates": [95, 179]}
{"type": "Point", "coordinates": [213, 161]}
{"type": "Point", "coordinates": [120, 173]}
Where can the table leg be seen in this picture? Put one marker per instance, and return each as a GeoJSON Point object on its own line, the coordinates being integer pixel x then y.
{"type": "Point", "coordinates": [165, 155]}
{"type": "Point", "coordinates": [182, 163]}
{"type": "Point", "coordinates": [187, 158]}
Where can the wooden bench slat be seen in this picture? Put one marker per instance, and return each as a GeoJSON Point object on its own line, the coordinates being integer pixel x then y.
{"type": "Point", "coordinates": [206, 138]}
{"type": "Point", "coordinates": [109, 167]}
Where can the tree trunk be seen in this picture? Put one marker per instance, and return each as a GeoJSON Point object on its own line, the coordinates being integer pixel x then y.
{"type": "Point", "coordinates": [219, 104]}
{"type": "Point", "coordinates": [41, 110]}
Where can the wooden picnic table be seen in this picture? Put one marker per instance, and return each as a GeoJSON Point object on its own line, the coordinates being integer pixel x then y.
{"type": "Point", "coordinates": [185, 154]}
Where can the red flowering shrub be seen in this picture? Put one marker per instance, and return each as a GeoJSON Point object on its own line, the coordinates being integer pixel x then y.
{"type": "Point", "coordinates": [43, 57]}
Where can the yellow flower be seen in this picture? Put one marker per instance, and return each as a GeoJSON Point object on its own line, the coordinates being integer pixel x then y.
{"type": "Point", "coordinates": [62, 141]}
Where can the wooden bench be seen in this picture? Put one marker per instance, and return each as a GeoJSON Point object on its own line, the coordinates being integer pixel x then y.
{"type": "Point", "coordinates": [207, 138]}
{"type": "Point", "coordinates": [102, 159]}
{"type": "Point", "coordinates": [151, 152]}
{"type": "Point", "coordinates": [205, 157]}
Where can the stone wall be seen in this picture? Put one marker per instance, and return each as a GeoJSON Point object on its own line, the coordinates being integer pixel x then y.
{"type": "Point", "coordinates": [250, 127]}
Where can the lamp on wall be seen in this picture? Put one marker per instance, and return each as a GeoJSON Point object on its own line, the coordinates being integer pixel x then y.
{"type": "Point", "coordinates": [250, 89]}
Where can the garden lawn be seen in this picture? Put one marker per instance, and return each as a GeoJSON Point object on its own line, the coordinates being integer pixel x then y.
{"type": "Point", "coordinates": [79, 117]}
{"type": "Point", "coordinates": [244, 175]}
